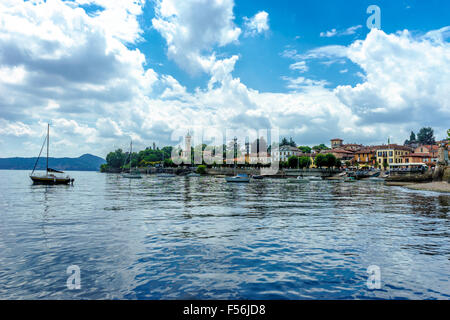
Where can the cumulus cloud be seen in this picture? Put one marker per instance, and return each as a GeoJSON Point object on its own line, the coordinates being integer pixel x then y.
{"type": "Point", "coordinates": [406, 79]}
{"type": "Point", "coordinates": [61, 64]}
{"type": "Point", "coordinates": [257, 24]}
{"type": "Point", "coordinates": [192, 28]}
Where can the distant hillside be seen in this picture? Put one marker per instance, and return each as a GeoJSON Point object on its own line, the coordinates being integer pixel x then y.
{"type": "Point", "coordinates": [87, 162]}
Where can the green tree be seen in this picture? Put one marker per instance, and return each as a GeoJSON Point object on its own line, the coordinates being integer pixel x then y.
{"type": "Point", "coordinates": [320, 147]}
{"type": "Point", "coordinates": [448, 134]}
{"type": "Point", "coordinates": [412, 137]}
{"type": "Point", "coordinates": [292, 143]}
{"type": "Point", "coordinates": [348, 164]}
{"type": "Point", "coordinates": [284, 142]}
{"type": "Point", "coordinates": [426, 136]}
{"type": "Point", "coordinates": [116, 159]}
{"type": "Point", "coordinates": [330, 160]}
{"type": "Point", "coordinates": [201, 169]}
{"type": "Point", "coordinates": [320, 160]}
{"type": "Point", "coordinates": [305, 149]}
{"type": "Point", "coordinates": [304, 162]}
{"type": "Point", "coordinates": [293, 162]}
{"type": "Point", "coordinates": [168, 163]}
{"type": "Point", "coordinates": [338, 163]}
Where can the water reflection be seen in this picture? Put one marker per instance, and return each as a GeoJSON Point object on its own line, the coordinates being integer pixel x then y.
{"type": "Point", "coordinates": [201, 237]}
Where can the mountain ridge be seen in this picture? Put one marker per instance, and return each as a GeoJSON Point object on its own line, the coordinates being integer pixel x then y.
{"type": "Point", "coordinates": [85, 162]}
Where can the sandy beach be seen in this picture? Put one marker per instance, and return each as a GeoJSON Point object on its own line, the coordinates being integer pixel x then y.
{"type": "Point", "coordinates": [431, 186]}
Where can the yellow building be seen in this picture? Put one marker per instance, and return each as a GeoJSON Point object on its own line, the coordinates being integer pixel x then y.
{"type": "Point", "coordinates": [391, 154]}
{"type": "Point", "coordinates": [365, 156]}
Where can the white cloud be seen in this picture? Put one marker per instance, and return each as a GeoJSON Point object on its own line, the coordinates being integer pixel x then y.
{"type": "Point", "coordinates": [9, 128]}
{"type": "Point", "coordinates": [58, 64]}
{"type": "Point", "coordinates": [345, 32]}
{"type": "Point", "coordinates": [407, 79]}
{"type": "Point", "coordinates": [299, 66]}
{"type": "Point", "coordinates": [328, 34]}
{"type": "Point", "coordinates": [302, 83]}
{"type": "Point", "coordinates": [192, 28]}
{"type": "Point", "coordinates": [257, 24]}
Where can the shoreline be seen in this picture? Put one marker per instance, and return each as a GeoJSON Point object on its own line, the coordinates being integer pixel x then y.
{"type": "Point", "coordinates": [440, 186]}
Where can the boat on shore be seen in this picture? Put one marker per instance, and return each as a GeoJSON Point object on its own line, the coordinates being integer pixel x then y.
{"type": "Point", "coordinates": [51, 176]}
{"type": "Point", "coordinates": [242, 177]}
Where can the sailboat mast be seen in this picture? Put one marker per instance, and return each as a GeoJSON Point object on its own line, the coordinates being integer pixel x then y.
{"type": "Point", "coordinates": [48, 137]}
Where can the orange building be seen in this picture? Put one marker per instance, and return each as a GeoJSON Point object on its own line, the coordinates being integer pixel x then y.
{"type": "Point", "coordinates": [366, 156]}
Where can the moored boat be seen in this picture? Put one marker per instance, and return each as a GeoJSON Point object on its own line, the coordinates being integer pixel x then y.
{"type": "Point", "coordinates": [238, 178]}
{"type": "Point", "coordinates": [350, 179]}
{"type": "Point", "coordinates": [165, 175]}
{"type": "Point", "coordinates": [133, 174]}
{"type": "Point", "coordinates": [193, 174]}
{"type": "Point", "coordinates": [51, 176]}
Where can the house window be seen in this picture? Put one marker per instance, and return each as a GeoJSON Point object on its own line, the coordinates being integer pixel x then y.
{"type": "Point", "coordinates": [390, 160]}
{"type": "Point", "coordinates": [390, 153]}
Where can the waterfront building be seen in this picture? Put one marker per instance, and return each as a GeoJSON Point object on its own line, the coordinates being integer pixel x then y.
{"type": "Point", "coordinates": [341, 154]}
{"type": "Point", "coordinates": [186, 153]}
{"type": "Point", "coordinates": [336, 143]}
{"type": "Point", "coordinates": [259, 158]}
{"type": "Point", "coordinates": [366, 156]}
{"type": "Point", "coordinates": [414, 157]}
{"type": "Point", "coordinates": [284, 152]}
{"type": "Point", "coordinates": [390, 154]}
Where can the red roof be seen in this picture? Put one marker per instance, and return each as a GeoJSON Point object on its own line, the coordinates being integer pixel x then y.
{"type": "Point", "coordinates": [417, 155]}
{"type": "Point", "coordinates": [340, 151]}
{"type": "Point", "coordinates": [366, 150]}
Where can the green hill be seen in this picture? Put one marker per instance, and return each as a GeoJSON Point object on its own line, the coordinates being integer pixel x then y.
{"type": "Point", "coordinates": [87, 162]}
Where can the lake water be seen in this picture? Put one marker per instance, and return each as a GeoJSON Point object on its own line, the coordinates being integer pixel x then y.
{"type": "Point", "coordinates": [201, 238]}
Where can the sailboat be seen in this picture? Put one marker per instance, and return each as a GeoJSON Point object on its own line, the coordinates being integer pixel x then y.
{"type": "Point", "coordinates": [133, 174]}
{"type": "Point", "coordinates": [242, 177]}
{"type": "Point", "coordinates": [51, 176]}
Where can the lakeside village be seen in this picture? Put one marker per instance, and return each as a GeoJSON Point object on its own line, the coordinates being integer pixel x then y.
{"type": "Point", "coordinates": [414, 161]}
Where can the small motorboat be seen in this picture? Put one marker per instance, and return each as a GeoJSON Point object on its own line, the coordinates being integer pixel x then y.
{"type": "Point", "coordinates": [299, 179]}
{"type": "Point", "coordinates": [350, 179]}
{"type": "Point", "coordinates": [132, 175]}
{"type": "Point", "coordinates": [165, 175]}
{"type": "Point", "coordinates": [314, 178]}
{"type": "Point", "coordinates": [258, 177]}
{"type": "Point", "coordinates": [238, 178]}
{"type": "Point", "coordinates": [193, 174]}
{"type": "Point", "coordinates": [302, 180]}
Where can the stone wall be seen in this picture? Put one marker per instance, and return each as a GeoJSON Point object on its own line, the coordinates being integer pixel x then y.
{"type": "Point", "coordinates": [446, 176]}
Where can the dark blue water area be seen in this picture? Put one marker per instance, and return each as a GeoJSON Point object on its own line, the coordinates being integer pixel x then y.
{"type": "Point", "coordinates": [201, 238]}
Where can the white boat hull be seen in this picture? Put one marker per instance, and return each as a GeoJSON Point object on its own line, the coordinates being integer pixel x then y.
{"type": "Point", "coordinates": [237, 179]}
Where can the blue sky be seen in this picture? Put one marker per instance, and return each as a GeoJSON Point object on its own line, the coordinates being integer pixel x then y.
{"type": "Point", "coordinates": [103, 72]}
{"type": "Point", "coordinates": [297, 25]}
